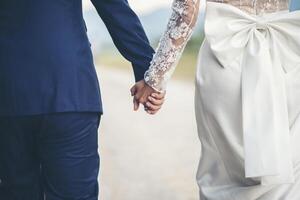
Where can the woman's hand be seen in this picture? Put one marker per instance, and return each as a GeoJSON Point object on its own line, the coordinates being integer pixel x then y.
{"type": "Point", "coordinates": [144, 94]}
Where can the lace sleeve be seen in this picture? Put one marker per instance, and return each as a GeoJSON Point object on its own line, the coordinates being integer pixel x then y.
{"type": "Point", "coordinates": [172, 43]}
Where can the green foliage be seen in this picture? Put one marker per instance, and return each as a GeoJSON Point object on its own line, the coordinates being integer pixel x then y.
{"type": "Point", "coordinates": [186, 66]}
{"type": "Point", "coordinates": [195, 43]}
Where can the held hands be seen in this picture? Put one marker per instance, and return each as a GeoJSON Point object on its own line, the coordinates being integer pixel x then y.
{"type": "Point", "coordinates": [146, 95]}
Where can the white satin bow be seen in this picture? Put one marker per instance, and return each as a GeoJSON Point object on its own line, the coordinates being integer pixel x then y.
{"type": "Point", "coordinates": [268, 47]}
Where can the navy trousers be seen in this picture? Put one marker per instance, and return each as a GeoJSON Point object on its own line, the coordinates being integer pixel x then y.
{"type": "Point", "coordinates": [52, 157]}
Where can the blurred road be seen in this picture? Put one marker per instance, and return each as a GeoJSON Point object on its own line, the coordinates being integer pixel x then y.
{"type": "Point", "coordinates": [147, 157]}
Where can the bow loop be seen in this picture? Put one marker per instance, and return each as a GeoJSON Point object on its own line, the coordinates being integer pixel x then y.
{"type": "Point", "coordinates": [230, 33]}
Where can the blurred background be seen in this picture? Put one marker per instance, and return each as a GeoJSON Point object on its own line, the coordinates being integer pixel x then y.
{"type": "Point", "coordinates": [294, 5]}
{"type": "Point", "coordinates": [145, 157]}
{"type": "Point", "coordinates": [154, 16]}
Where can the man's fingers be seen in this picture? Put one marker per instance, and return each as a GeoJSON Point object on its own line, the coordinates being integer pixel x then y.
{"type": "Point", "coordinates": [137, 96]}
{"type": "Point", "coordinates": [157, 102]}
{"type": "Point", "coordinates": [133, 90]}
{"type": "Point", "coordinates": [141, 97]}
{"type": "Point", "coordinates": [134, 93]}
{"type": "Point", "coordinates": [136, 105]}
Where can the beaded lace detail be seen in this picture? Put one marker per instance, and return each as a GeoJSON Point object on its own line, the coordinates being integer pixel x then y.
{"type": "Point", "coordinates": [180, 29]}
{"type": "Point", "coordinates": [173, 42]}
{"type": "Point", "coordinates": [257, 7]}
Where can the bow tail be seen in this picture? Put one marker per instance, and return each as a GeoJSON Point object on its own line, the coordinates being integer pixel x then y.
{"type": "Point", "coordinates": [267, 146]}
{"type": "Point", "coordinates": [285, 155]}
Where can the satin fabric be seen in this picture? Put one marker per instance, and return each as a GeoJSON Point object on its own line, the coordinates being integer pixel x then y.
{"type": "Point", "coordinates": [267, 46]}
{"type": "Point", "coordinates": [246, 105]}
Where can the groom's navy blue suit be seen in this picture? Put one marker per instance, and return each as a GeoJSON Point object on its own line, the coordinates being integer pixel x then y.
{"type": "Point", "coordinates": [50, 102]}
{"type": "Point", "coordinates": [46, 62]}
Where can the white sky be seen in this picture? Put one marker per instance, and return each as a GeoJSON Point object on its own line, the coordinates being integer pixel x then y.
{"type": "Point", "coordinates": [140, 6]}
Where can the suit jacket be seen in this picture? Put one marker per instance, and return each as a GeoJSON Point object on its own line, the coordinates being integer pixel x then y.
{"type": "Point", "coordinates": [46, 63]}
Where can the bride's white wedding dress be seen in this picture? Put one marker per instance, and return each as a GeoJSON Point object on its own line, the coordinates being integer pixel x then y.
{"type": "Point", "coordinates": [247, 95]}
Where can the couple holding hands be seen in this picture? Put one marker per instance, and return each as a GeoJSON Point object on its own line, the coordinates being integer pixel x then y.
{"type": "Point", "coordinates": [246, 101]}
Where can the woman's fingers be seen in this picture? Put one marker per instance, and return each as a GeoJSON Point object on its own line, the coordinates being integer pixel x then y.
{"type": "Point", "coordinates": [158, 95]}
{"type": "Point", "coordinates": [146, 95]}
{"type": "Point", "coordinates": [152, 107]}
{"type": "Point", "coordinates": [151, 112]}
{"type": "Point", "coordinates": [157, 102]}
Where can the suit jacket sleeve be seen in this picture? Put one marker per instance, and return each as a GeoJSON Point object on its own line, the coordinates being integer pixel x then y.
{"type": "Point", "coordinates": [127, 33]}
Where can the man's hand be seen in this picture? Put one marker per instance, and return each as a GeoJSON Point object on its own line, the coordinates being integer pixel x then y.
{"type": "Point", "coordinates": [146, 95]}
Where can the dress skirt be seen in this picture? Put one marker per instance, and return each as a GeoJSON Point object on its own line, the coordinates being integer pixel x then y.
{"type": "Point", "coordinates": [248, 104]}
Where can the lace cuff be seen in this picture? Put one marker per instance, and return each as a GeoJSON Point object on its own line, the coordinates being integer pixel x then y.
{"type": "Point", "coordinates": [172, 43]}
